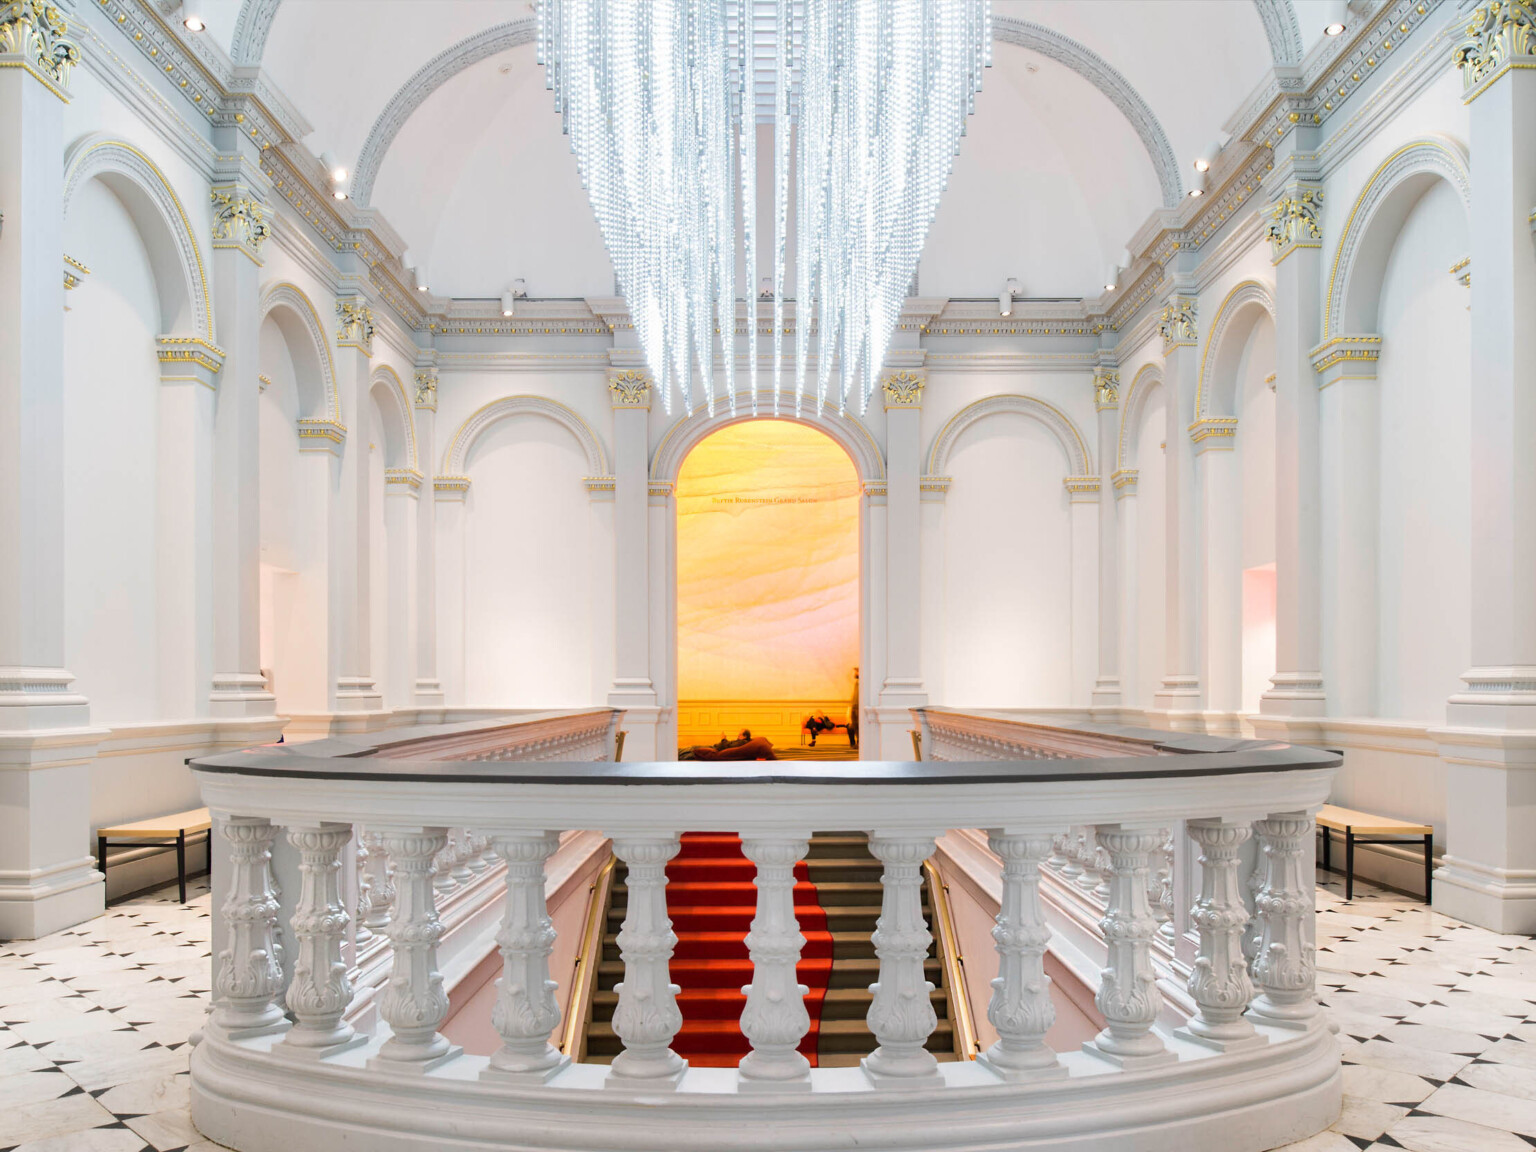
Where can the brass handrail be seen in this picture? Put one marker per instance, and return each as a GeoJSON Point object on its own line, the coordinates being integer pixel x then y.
{"type": "Point", "coordinates": [955, 992]}
{"type": "Point", "coordinates": [578, 1010]}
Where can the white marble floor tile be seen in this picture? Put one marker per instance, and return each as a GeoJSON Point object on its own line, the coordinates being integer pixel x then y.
{"type": "Point", "coordinates": [1368, 1119]}
{"type": "Point", "coordinates": [1494, 1109]}
{"type": "Point", "coordinates": [1435, 1039]}
{"type": "Point", "coordinates": [1401, 1058]}
{"type": "Point", "coordinates": [50, 1118]}
{"type": "Point", "coordinates": [30, 1087]}
{"type": "Point", "coordinates": [22, 1057]}
{"type": "Point", "coordinates": [1323, 1142]}
{"type": "Point", "coordinates": [145, 1097]}
{"type": "Point", "coordinates": [1510, 1079]}
{"type": "Point", "coordinates": [166, 1130]}
{"type": "Point", "coordinates": [1519, 1052]}
{"type": "Point", "coordinates": [91, 1140]}
{"type": "Point", "coordinates": [1385, 1087]}
{"type": "Point", "coordinates": [1483, 1023]}
{"type": "Point", "coordinates": [1442, 1134]}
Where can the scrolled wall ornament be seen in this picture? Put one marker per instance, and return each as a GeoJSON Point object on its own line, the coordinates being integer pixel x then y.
{"type": "Point", "coordinates": [355, 326]}
{"type": "Point", "coordinates": [38, 35]}
{"type": "Point", "coordinates": [1497, 34]}
{"type": "Point", "coordinates": [903, 389]}
{"type": "Point", "coordinates": [239, 222]}
{"type": "Point", "coordinates": [1106, 389]}
{"type": "Point", "coordinates": [1177, 324]}
{"type": "Point", "coordinates": [426, 388]}
{"type": "Point", "coordinates": [630, 389]}
{"type": "Point", "coordinates": [1294, 223]}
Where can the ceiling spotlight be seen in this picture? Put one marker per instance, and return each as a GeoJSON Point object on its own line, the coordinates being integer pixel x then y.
{"type": "Point", "coordinates": [1197, 187]}
{"type": "Point", "coordinates": [192, 16]}
{"type": "Point", "coordinates": [1112, 278]}
{"type": "Point", "coordinates": [421, 278]}
{"type": "Point", "coordinates": [1334, 29]}
{"type": "Point", "coordinates": [1011, 288]}
{"type": "Point", "coordinates": [506, 303]}
{"type": "Point", "coordinates": [333, 166]}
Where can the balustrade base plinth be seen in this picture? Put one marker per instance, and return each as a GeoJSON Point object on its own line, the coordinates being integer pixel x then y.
{"type": "Point", "coordinates": [1027, 1075]}
{"type": "Point", "coordinates": [1223, 1043]}
{"type": "Point", "coordinates": [310, 1053]}
{"type": "Point", "coordinates": [668, 1082]}
{"type": "Point", "coordinates": [250, 1031]}
{"type": "Point", "coordinates": [1131, 1062]}
{"type": "Point", "coordinates": [1299, 1017]}
{"type": "Point", "coordinates": [889, 1082]}
{"type": "Point", "coordinates": [383, 1063]}
{"type": "Point", "coordinates": [526, 1075]}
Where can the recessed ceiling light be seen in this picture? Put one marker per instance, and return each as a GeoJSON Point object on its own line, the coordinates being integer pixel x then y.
{"type": "Point", "coordinates": [193, 24]}
{"type": "Point", "coordinates": [192, 16]}
{"type": "Point", "coordinates": [1202, 165]}
{"type": "Point", "coordinates": [1197, 191]}
{"type": "Point", "coordinates": [339, 193]}
{"type": "Point", "coordinates": [1334, 29]}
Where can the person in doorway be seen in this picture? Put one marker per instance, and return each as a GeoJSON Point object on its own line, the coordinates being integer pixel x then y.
{"type": "Point", "coordinates": [853, 713]}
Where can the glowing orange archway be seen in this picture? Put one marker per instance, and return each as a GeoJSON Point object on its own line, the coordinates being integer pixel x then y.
{"type": "Point", "coordinates": [767, 580]}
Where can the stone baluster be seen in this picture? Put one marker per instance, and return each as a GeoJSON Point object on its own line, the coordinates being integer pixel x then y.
{"type": "Point", "coordinates": [526, 1010]}
{"type": "Point", "coordinates": [1101, 869]}
{"type": "Point", "coordinates": [319, 993]}
{"type": "Point", "coordinates": [901, 1015]}
{"type": "Point", "coordinates": [647, 1016]}
{"type": "Point", "coordinates": [1128, 997]}
{"type": "Point", "coordinates": [483, 853]}
{"type": "Point", "coordinates": [1071, 869]}
{"type": "Point", "coordinates": [1283, 966]}
{"type": "Point", "coordinates": [381, 884]}
{"type": "Point", "coordinates": [250, 970]}
{"type": "Point", "coordinates": [1058, 858]}
{"type": "Point", "coordinates": [1163, 901]}
{"type": "Point", "coordinates": [1087, 859]}
{"type": "Point", "coordinates": [442, 867]}
{"type": "Point", "coordinates": [1021, 1008]}
{"type": "Point", "coordinates": [361, 932]}
{"type": "Point", "coordinates": [775, 1019]}
{"type": "Point", "coordinates": [1219, 981]}
{"type": "Point", "coordinates": [414, 1003]}
{"type": "Point", "coordinates": [460, 853]}
{"type": "Point", "coordinates": [1255, 885]}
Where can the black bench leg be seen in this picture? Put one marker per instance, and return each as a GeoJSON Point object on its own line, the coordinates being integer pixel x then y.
{"type": "Point", "coordinates": [101, 863]}
{"type": "Point", "coordinates": [181, 864]}
{"type": "Point", "coordinates": [1327, 850]}
{"type": "Point", "coordinates": [1349, 864]}
{"type": "Point", "coordinates": [1429, 868]}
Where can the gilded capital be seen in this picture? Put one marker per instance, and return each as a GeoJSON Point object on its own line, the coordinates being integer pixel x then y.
{"type": "Point", "coordinates": [1177, 324]}
{"type": "Point", "coordinates": [239, 221]}
{"type": "Point", "coordinates": [903, 389]}
{"type": "Point", "coordinates": [1498, 34]}
{"type": "Point", "coordinates": [1106, 388]}
{"type": "Point", "coordinates": [426, 388]}
{"type": "Point", "coordinates": [630, 388]}
{"type": "Point", "coordinates": [355, 324]}
{"type": "Point", "coordinates": [1293, 223]}
{"type": "Point", "coordinates": [35, 36]}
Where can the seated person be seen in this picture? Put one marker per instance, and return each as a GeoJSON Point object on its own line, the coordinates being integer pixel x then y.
{"type": "Point", "coordinates": [744, 747]}
{"type": "Point", "coordinates": [817, 724]}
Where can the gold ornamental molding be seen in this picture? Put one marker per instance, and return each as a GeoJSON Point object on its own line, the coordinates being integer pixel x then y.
{"type": "Point", "coordinates": [599, 487]}
{"type": "Point", "coordinates": [1214, 431]}
{"type": "Point", "coordinates": [354, 328]}
{"type": "Point", "coordinates": [407, 479]}
{"type": "Point", "coordinates": [450, 487]}
{"type": "Point", "coordinates": [426, 388]}
{"type": "Point", "coordinates": [1500, 36]}
{"type": "Point", "coordinates": [1177, 324]}
{"type": "Point", "coordinates": [1294, 223]}
{"type": "Point", "coordinates": [189, 358]}
{"type": "Point", "coordinates": [1124, 479]}
{"type": "Point", "coordinates": [74, 272]}
{"type": "Point", "coordinates": [903, 389]}
{"type": "Point", "coordinates": [1461, 271]}
{"type": "Point", "coordinates": [1346, 358]}
{"type": "Point", "coordinates": [1106, 389]}
{"type": "Point", "coordinates": [239, 221]}
{"type": "Point", "coordinates": [34, 37]}
{"type": "Point", "coordinates": [321, 436]}
{"type": "Point", "coordinates": [630, 388]}
{"type": "Point", "coordinates": [1081, 489]}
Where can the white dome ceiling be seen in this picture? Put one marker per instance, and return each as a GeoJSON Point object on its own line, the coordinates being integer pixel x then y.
{"type": "Point", "coordinates": [1089, 120]}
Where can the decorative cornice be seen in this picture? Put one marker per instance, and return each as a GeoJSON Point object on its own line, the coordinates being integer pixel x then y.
{"type": "Point", "coordinates": [450, 487]}
{"type": "Point", "coordinates": [1294, 223]}
{"type": "Point", "coordinates": [661, 488]}
{"type": "Point", "coordinates": [1106, 389]}
{"type": "Point", "coordinates": [239, 221]}
{"type": "Point", "coordinates": [74, 272]}
{"type": "Point", "coordinates": [355, 324]}
{"type": "Point", "coordinates": [933, 488]}
{"type": "Point", "coordinates": [426, 388]}
{"type": "Point", "coordinates": [263, 382]}
{"type": "Point", "coordinates": [321, 435]}
{"type": "Point", "coordinates": [1346, 357]}
{"type": "Point", "coordinates": [1124, 480]}
{"type": "Point", "coordinates": [1221, 430]}
{"type": "Point", "coordinates": [903, 389]}
{"type": "Point", "coordinates": [189, 358]}
{"type": "Point", "coordinates": [1501, 35]}
{"type": "Point", "coordinates": [875, 489]}
{"type": "Point", "coordinates": [1462, 271]}
{"type": "Point", "coordinates": [599, 487]}
{"type": "Point", "coordinates": [34, 37]}
{"type": "Point", "coordinates": [407, 478]}
{"type": "Point", "coordinates": [1081, 488]}
{"type": "Point", "coordinates": [630, 388]}
{"type": "Point", "coordinates": [1177, 323]}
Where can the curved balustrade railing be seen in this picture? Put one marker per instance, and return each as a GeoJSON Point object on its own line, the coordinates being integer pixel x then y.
{"type": "Point", "coordinates": [281, 1065]}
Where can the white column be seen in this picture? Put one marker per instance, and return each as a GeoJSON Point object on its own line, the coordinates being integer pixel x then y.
{"type": "Point", "coordinates": [1128, 997]}
{"type": "Point", "coordinates": [240, 229]}
{"type": "Point", "coordinates": [526, 1011]}
{"type": "Point", "coordinates": [647, 1016]}
{"type": "Point", "coordinates": [1219, 982]}
{"type": "Point", "coordinates": [1107, 692]}
{"type": "Point", "coordinates": [1296, 248]}
{"type": "Point", "coordinates": [1349, 431]}
{"type": "Point", "coordinates": [1284, 967]}
{"type": "Point", "coordinates": [48, 878]}
{"type": "Point", "coordinates": [248, 980]}
{"type": "Point", "coordinates": [355, 688]}
{"type": "Point", "coordinates": [633, 689]}
{"type": "Point", "coordinates": [1180, 696]}
{"type": "Point", "coordinates": [775, 1018]}
{"type": "Point", "coordinates": [1083, 507]}
{"type": "Point", "coordinates": [414, 1003]}
{"type": "Point", "coordinates": [428, 689]}
{"type": "Point", "coordinates": [934, 491]}
{"type": "Point", "coordinates": [319, 993]}
{"type": "Point", "coordinates": [901, 1014]}
{"type": "Point", "coordinates": [449, 496]}
{"type": "Point", "coordinates": [1218, 488]}
{"type": "Point", "coordinates": [402, 514]}
{"type": "Point", "coordinates": [1132, 691]}
{"type": "Point", "coordinates": [1021, 1008]}
{"type": "Point", "coordinates": [1488, 875]}
{"type": "Point", "coordinates": [903, 687]}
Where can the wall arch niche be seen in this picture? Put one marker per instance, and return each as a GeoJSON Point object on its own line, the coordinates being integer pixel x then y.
{"type": "Point", "coordinates": [394, 484]}
{"type": "Point", "coordinates": [1140, 490]}
{"type": "Point", "coordinates": [296, 478]}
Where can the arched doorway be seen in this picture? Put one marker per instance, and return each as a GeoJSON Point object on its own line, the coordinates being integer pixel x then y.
{"type": "Point", "coordinates": [768, 606]}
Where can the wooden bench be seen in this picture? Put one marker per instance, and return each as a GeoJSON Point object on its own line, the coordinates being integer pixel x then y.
{"type": "Point", "coordinates": [175, 831]}
{"type": "Point", "coordinates": [1376, 830]}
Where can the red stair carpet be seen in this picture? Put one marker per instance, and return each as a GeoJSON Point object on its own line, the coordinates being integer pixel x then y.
{"type": "Point", "coordinates": [711, 900]}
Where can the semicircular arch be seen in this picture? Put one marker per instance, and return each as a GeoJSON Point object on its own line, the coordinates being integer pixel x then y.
{"type": "Point", "coordinates": [850, 434]}
{"type": "Point", "coordinates": [1148, 377]}
{"type": "Point", "coordinates": [1073, 447]}
{"type": "Point", "coordinates": [456, 458]}
{"type": "Point", "coordinates": [290, 300]}
{"type": "Point", "coordinates": [180, 274]}
{"type": "Point", "coordinates": [1235, 317]}
{"type": "Point", "coordinates": [391, 381]}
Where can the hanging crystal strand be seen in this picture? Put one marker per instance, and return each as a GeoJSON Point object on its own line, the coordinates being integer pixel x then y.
{"type": "Point", "coordinates": [746, 137]}
{"type": "Point", "coordinates": [781, 138]}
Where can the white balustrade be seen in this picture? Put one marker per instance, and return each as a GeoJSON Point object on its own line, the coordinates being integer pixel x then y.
{"type": "Point", "coordinates": [1240, 1064]}
{"type": "Point", "coordinates": [361, 932]}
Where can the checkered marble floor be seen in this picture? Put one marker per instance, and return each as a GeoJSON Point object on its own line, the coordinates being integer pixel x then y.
{"type": "Point", "coordinates": [1437, 1019]}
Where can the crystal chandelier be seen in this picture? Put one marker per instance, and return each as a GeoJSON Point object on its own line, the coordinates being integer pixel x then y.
{"type": "Point", "coordinates": [661, 100]}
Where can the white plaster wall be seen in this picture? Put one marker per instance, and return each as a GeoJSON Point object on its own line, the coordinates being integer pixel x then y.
{"type": "Point", "coordinates": [1007, 567]}
{"type": "Point", "coordinates": [1425, 464]}
{"type": "Point", "coordinates": [111, 397]}
{"type": "Point", "coordinates": [528, 568]}
{"type": "Point", "coordinates": [379, 624]}
{"type": "Point", "coordinates": [1150, 636]}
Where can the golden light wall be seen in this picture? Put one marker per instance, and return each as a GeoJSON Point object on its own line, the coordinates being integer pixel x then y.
{"type": "Point", "coordinates": [767, 566]}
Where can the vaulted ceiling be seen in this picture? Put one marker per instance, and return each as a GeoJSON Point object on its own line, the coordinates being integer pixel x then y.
{"type": "Point", "coordinates": [1089, 120]}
